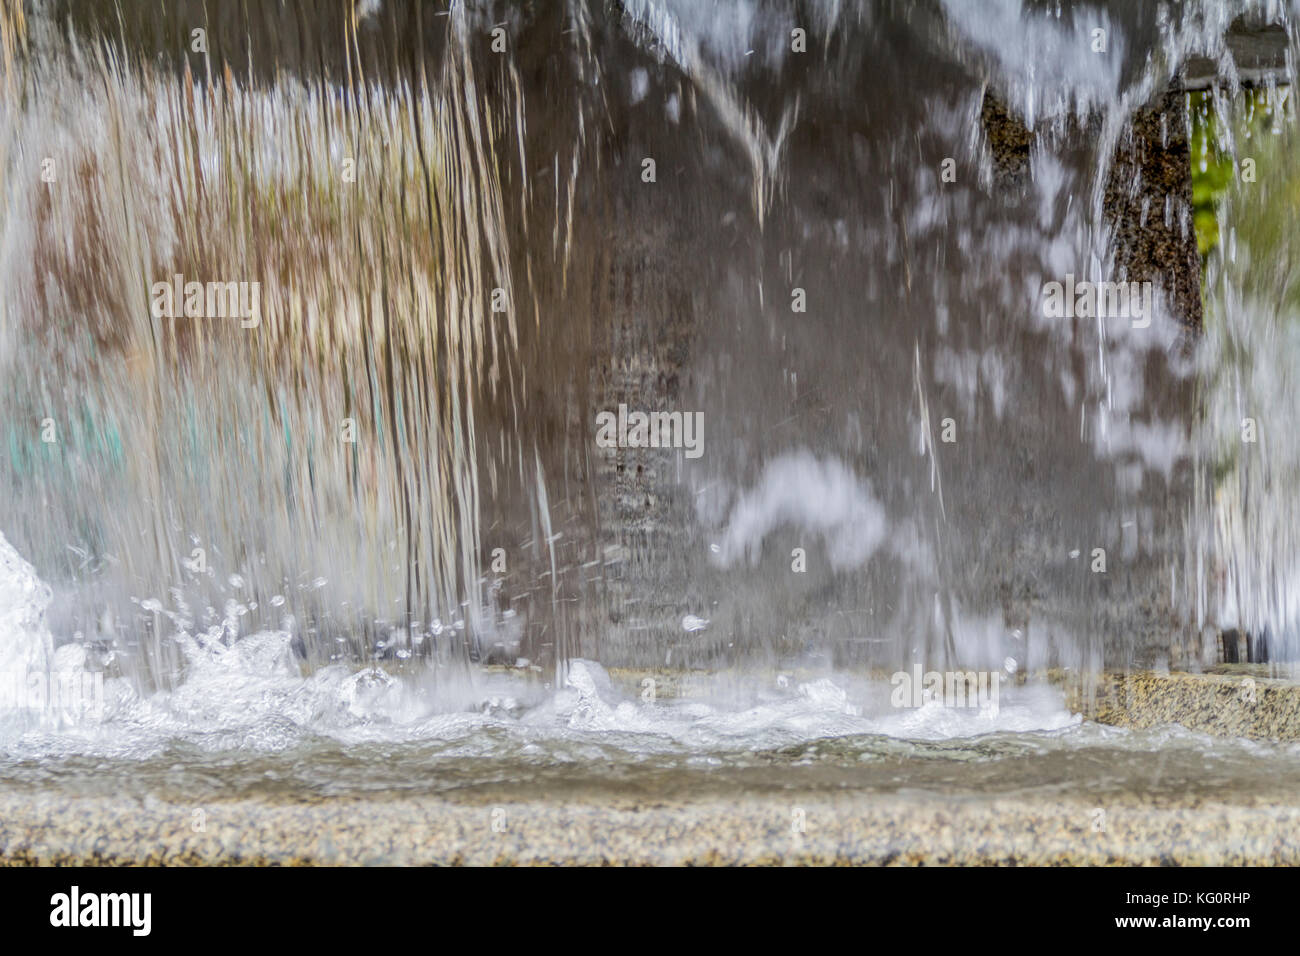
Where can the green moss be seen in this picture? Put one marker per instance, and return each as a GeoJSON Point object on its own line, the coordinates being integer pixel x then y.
{"type": "Point", "coordinates": [1214, 168]}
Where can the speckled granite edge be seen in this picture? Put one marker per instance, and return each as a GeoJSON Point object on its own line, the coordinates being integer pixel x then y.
{"type": "Point", "coordinates": [838, 829]}
{"type": "Point", "coordinates": [1224, 705]}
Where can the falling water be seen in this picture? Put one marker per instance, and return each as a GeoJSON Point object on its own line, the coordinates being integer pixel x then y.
{"type": "Point", "coordinates": [464, 234]}
{"type": "Point", "coordinates": [1241, 539]}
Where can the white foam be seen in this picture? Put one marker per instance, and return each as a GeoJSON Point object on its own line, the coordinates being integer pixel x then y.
{"type": "Point", "coordinates": [820, 496]}
{"type": "Point", "coordinates": [26, 646]}
{"type": "Point", "coordinates": [251, 696]}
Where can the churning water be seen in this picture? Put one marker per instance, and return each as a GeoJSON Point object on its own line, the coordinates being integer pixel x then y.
{"type": "Point", "coordinates": [298, 510]}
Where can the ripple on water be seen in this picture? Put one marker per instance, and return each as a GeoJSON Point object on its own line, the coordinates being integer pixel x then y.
{"type": "Point", "coordinates": [240, 726]}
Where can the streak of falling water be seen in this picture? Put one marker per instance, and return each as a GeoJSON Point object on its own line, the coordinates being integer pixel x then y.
{"type": "Point", "coordinates": [1243, 548]}
{"type": "Point", "coordinates": [314, 471]}
{"type": "Point", "coordinates": [463, 257]}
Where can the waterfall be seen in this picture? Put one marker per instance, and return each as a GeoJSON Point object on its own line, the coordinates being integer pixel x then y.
{"type": "Point", "coordinates": [310, 318]}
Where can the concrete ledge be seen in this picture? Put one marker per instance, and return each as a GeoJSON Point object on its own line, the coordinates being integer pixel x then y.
{"type": "Point", "coordinates": [1259, 54]}
{"type": "Point", "coordinates": [1226, 705]}
{"type": "Point", "coordinates": [841, 829]}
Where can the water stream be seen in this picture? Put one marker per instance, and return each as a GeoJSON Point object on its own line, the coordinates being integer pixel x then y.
{"type": "Point", "coordinates": [355, 522]}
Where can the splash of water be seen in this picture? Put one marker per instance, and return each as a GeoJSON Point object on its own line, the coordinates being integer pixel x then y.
{"type": "Point", "coordinates": [461, 259]}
